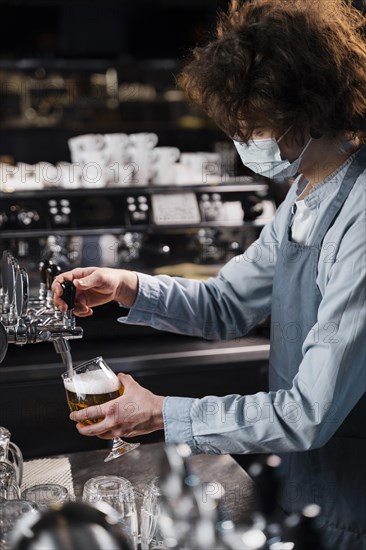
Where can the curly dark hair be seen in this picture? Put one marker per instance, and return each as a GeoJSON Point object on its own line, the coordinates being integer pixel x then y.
{"type": "Point", "coordinates": [282, 63]}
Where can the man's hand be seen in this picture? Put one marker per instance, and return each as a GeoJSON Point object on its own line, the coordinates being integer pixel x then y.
{"type": "Point", "coordinates": [138, 411]}
{"type": "Point", "coordinates": [96, 286]}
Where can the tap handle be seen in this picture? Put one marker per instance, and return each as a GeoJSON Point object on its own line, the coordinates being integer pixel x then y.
{"type": "Point", "coordinates": [68, 294]}
{"type": "Point", "coordinates": [52, 271]}
{"type": "Point", "coordinates": [43, 265]}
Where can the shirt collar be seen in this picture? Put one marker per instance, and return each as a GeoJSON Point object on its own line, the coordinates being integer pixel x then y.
{"type": "Point", "coordinates": [325, 188]}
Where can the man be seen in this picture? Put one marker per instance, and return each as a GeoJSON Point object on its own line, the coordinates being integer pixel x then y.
{"type": "Point", "coordinates": [286, 80]}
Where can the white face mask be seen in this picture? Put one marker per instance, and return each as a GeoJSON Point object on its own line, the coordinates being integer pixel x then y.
{"type": "Point", "coordinates": [263, 156]}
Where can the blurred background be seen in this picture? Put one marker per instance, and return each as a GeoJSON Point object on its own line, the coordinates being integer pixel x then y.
{"type": "Point", "coordinates": [71, 67]}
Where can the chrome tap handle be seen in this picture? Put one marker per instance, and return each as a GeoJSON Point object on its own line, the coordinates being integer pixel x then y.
{"type": "Point", "coordinates": [42, 267]}
{"type": "Point", "coordinates": [52, 270]}
{"type": "Point", "coordinates": [9, 269]}
{"type": "Point", "coordinates": [21, 292]}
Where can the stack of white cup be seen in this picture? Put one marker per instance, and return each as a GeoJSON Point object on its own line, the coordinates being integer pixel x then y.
{"type": "Point", "coordinates": [114, 160]}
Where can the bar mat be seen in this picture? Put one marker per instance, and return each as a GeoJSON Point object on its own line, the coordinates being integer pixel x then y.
{"type": "Point", "coordinates": [48, 470]}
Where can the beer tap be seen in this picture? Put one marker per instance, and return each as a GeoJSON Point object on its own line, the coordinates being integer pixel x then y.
{"type": "Point", "coordinates": [62, 345]}
{"type": "Point", "coordinates": [21, 324]}
{"type": "Point", "coordinates": [52, 271]}
{"type": "Point", "coordinates": [43, 265]}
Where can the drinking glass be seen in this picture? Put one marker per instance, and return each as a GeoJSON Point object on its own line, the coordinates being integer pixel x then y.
{"type": "Point", "coordinates": [118, 493]}
{"type": "Point", "coordinates": [150, 510]}
{"type": "Point", "coordinates": [94, 383]}
{"type": "Point", "coordinates": [45, 494]}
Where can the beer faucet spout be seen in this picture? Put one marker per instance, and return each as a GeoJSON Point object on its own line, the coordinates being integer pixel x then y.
{"type": "Point", "coordinates": [62, 346]}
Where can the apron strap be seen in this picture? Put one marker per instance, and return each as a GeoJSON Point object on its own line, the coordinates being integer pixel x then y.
{"type": "Point", "coordinates": [357, 166]}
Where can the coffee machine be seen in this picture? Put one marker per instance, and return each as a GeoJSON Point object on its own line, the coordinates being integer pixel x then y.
{"type": "Point", "coordinates": [138, 227]}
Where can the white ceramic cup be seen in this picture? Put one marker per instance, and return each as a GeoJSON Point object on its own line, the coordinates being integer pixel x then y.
{"type": "Point", "coordinates": [201, 167]}
{"type": "Point", "coordinates": [81, 145]}
{"type": "Point", "coordinates": [69, 175]}
{"type": "Point", "coordinates": [211, 168]}
{"type": "Point", "coordinates": [94, 174]}
{"type": "Point", "coordinates": [27, 177]}
{"type": "Point", "coordinates": [163, 171]}
{"type": "Point", "coordinates": [117, 155]}
{"type": "Point", "coordinates": [143, 140]}
{"type": "Point", "coordinates": [193, 164]}
{"type": "Point", "coordinates": [89, 151]}
{"type": "Point", "coordinates": [117, 146]}
{"type": "Point", "coordinates": [141, 158]}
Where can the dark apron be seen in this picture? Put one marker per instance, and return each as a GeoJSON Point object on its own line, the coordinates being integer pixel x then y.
{"type": "Point", "coordinates": [334, 475]}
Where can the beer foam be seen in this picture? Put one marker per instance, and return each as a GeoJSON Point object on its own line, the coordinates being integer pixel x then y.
{"type": "Point", "coordinates": [92, 383]}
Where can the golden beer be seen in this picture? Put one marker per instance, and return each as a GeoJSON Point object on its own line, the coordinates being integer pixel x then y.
{"type": "Point", "coordinates": [91, 384]}
{"type": "Point", "coordinates": [89, 389]}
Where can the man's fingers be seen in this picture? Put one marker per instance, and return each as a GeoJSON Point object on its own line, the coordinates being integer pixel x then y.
{"type": "Point", "coordinates": [91, 281]}
{"type": "Point", "coordinates": [60, 304]}
{"type": "Point", "coordinates": [89, 413]}
{"type": "Point", "coordinates": [75, 274]}
{"type": "Point", "coordinates": [80, 309]}
{"type": "Point", "coordinates": [125, 379]}
{"type": "Point", "coordinates": [56, 286]}
{"type": "Point", "coordinates": [83, 312]}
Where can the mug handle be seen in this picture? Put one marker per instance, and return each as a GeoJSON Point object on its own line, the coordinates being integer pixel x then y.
{"type": "Point", "coordinates": [153, 139]}
{"type": "Point", "coordinates": [14, 488]}
{"type": "Point", "coordinates": [175, 154]}
{"type": "Point", "coordinates": [17, 460]}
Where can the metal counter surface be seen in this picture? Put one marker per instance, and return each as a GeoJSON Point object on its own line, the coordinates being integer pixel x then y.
{"type": "Point", "coordinates": [142, 465]}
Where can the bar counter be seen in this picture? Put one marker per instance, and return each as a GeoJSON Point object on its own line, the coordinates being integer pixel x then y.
{"type": "Point", "coordinates": [142, 464]}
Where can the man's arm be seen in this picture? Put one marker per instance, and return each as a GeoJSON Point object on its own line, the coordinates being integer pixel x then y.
{"type": "Point", "coordinates": [330, 382]}
{"type": "Point", "coordinates": [224, 307]}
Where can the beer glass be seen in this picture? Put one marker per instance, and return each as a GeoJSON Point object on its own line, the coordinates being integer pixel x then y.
{"type": "Point", "coordinates": [94, 383]}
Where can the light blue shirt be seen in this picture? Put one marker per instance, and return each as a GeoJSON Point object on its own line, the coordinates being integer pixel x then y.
{"type": "Point", "coordinates": [232, 303]}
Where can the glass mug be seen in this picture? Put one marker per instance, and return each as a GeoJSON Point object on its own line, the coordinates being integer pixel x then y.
{"type": "Point", "coordinates": [10, 453]}
{"type": "Point", "coordinates": [94, 383]}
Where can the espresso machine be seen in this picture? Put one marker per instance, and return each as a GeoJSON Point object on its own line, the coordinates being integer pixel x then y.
{"type": "Point", "coordinates": [188, 231]}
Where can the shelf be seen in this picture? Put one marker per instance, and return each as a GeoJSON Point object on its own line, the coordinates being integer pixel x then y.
{"type": "Point", "coordinates": [64, 65]}
{"type": "Point", "coordinates": [231, 185]}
